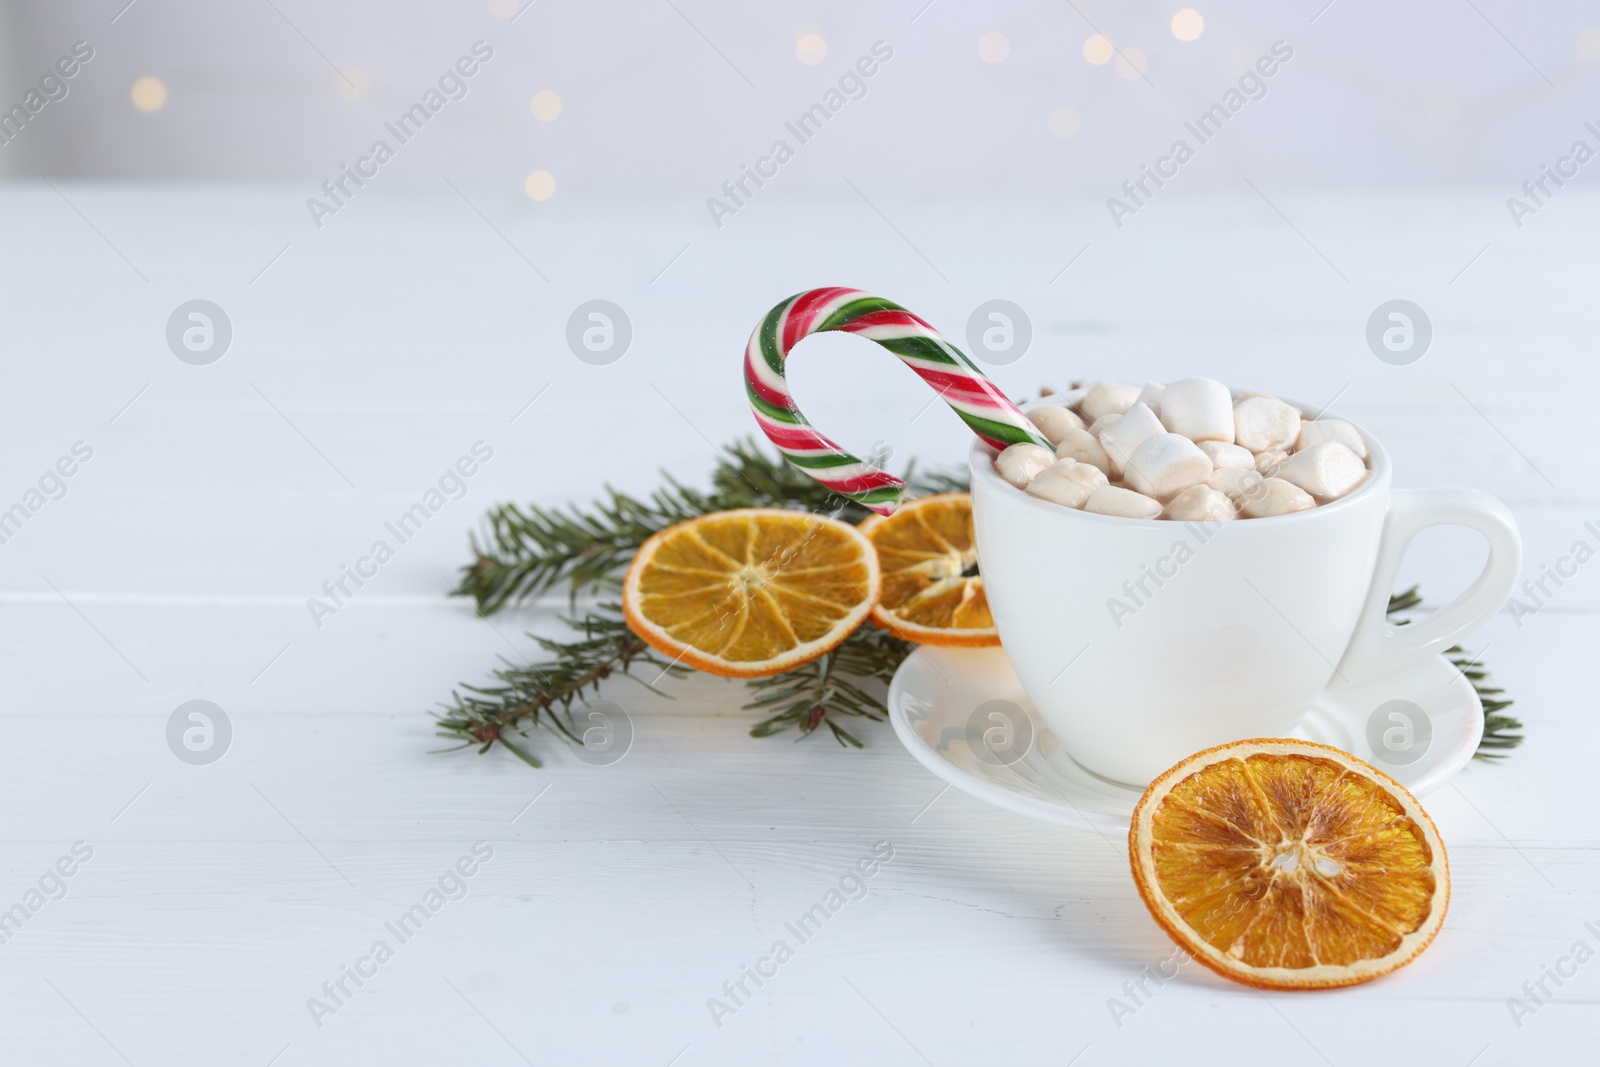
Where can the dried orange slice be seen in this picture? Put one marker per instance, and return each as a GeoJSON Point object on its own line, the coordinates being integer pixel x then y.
{"type": "Point", "coordinates": [1288, 865]}
{"type": "Point", "coordinates": [750, 592]}
{"type": "Point", "coordinates": [932, 593]}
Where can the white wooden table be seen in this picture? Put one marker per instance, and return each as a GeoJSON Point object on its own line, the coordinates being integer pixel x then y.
{"type": "Point", "coordinates": [370, 355]}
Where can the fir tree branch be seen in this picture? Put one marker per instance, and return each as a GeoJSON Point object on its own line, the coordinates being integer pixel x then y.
{"type": "Point", "coordinates": [1501, 732]}
{"type": "Point", "coordinates": [826, 689]}
{"type": "Point", "coordinates": [528, 550]}
{"type": "Point", "coordinates": [525, 551]}
{"type": "Point", "coordinates": [531, 695]}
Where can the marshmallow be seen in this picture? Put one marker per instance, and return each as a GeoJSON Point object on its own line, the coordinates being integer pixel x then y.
{"type": "Point", "coordinates": [1269, 462]}
{"type": "Point", "coordinates": [1234, 482]}
{"type": "Point", "coordinates": [1115, 500]}
{"type": "Point", "coordinates": [1165, 465]}
{"type": "Point", "coordinates": [1128, 432]}
{"type": "Point", "coordinates": [1199, 408]}
{"type": "Point", "coordinates": [1053, 421]}
{"type": "Point", "coordinates": [1201, 503]}
{"type": "Point", "coordinates": [1019, 463]}
{"type": "Point", "coordinates": [1327, 470]}
{"type": "Point", "coordinates": [1263, 423]}
{"type": "Point", "coordinates": [1082, 446]}
{"type": "Point", "coordinates": [1102, 422]}
{"type": "Point", "coordinates": [1150, 396]}
{"type": "Point", "coordinates": [1274, 496]}
{"type": "Point", "coordinates": [1067, 482]}
{"type": "Point", "coordinates": [1316, 431]}
{"type": "Point", "coordinates": [1108, 398]}
{"type": "Point", "coordinates": [1222, 454]}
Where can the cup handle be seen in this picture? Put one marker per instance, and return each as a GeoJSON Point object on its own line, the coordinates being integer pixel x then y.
{"type": "Point", "coordinates": [1378, 648]}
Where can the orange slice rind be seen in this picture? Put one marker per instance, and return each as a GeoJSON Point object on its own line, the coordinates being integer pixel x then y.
{"type": "Point", "coordinates": [750, 592]}
{"type": "Point", "coordinates": [932, 593]}
{"type": "Point", "coordinates": [1285, 864]}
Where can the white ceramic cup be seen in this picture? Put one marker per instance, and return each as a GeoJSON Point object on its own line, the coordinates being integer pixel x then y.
{"type": "Point", "coordinates": [1138, 652]}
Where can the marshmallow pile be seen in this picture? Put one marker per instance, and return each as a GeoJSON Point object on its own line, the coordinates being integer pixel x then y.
{"type": "Point", "coordinates": [1187, 450]}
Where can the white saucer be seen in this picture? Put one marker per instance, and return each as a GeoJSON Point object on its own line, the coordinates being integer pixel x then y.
{"type": "Point", "coordinates": [936, 690]}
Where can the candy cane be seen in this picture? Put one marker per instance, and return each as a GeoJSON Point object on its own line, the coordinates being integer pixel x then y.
{"type": "Point", "coordinates": [979, 402]}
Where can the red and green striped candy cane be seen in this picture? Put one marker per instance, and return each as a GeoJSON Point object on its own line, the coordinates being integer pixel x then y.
{"type": "Point", "coordinates": [979, 402]}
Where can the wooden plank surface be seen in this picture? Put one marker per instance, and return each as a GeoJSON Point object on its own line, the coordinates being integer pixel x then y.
{"type": "Point", "coordinates": [371, 355]}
